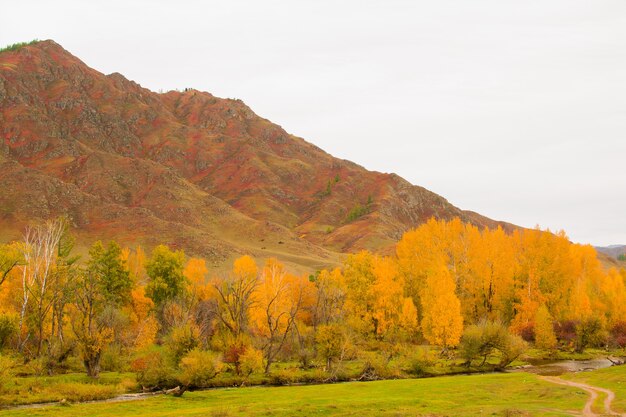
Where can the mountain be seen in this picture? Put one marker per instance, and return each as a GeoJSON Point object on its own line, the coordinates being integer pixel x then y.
{"type": "Point", "coordinates": [613, 251]}
{"type": "Point", "coordinates": [187, 169]}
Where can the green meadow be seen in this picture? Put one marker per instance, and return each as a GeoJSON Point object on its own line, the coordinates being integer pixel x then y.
{"type": "Point", "coordinates": [512, 394]}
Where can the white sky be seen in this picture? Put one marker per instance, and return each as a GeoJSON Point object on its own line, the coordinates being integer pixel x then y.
{"type": "Point", "coordinates": [514, 109]}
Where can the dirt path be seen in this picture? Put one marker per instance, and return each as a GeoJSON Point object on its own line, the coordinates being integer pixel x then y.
{"type": "Point", "coordinates": [593, 392]}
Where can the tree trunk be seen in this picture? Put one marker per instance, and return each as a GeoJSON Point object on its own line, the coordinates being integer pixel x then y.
{"type": "Point", "coordinates": [92, 365]}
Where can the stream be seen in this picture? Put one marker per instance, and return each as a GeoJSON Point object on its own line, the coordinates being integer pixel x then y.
{"type": "Point", "coordinates": [551, 368]}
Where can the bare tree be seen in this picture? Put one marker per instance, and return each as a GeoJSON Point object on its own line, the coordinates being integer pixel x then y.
{"type": "Point", "coordinates": [39, 291]}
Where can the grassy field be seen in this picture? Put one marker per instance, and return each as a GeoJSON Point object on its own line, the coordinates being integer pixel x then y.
{"type": "Point", "coordinates": [516, 394]}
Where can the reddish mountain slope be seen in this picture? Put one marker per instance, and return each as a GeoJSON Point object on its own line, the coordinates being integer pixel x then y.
{"type": "Point", "coordinates": [189, 169]}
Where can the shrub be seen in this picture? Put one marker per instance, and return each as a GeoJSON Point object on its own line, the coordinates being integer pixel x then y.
{"type": "Point", "coordinates": [418, 360]}
{"type": "Point", "coordinates": [618, 334]}
{"type": "Point", "coordinates": [590, 333]}
{"type": "Point", "coordinates": [19, 45]}
{"type": "Point", "coordinates": [284, 377]}
{"type": "Point", "coordinates": [199, 367]}
{"type": "Point", "coordinates": [181, 340]}
{"type": "Point", "coordinates": [487, 338]}
{"type": "Point", "coordinates": [331, 342]}
{"type": "Point", "coordinates": [376, 365]}
{"type": "Point", "coordinates": [566, 332]}
{"type": "Point", "coordinates": [114, 359]}
{"type": "Point", "coordinates": [154, 368]}
{"type": "Point", "coordinates": [251, 361]}
{"type": "Point", "coordinates": [233, 353]}
{"type": "Point", "coordinates": [8, 329]}
{"type": "Point", "coordinates": [356, 212]}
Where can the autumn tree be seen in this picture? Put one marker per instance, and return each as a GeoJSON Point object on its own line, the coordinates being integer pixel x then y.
{"type": "Point", "coordinates": [10, 257]}
{"type": "Point", "coordinates": [234, 294]}
{"type": "Point", "coordinates": [135, 260]}
{"type": "Point", "coordinates": [278, 300]}
{"type": "Point", "coordinates": [330, 297]}
{"type": "Point", "coordinates": [544, 329]}
{"type": "Point", "coordinates": [359, 305]}
{"type": "Point", "coordinates": [332, 343]}
{"type": "Point", "coordinates": [442, 323]}
{"type": "Point", "coordinates": [143, 325]}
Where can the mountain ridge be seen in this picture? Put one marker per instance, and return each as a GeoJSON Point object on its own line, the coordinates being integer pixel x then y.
{"type": "Point", "coordinates": [200, 172]}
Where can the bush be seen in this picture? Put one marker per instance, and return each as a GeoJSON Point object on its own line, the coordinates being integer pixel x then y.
{"type": "Point", "coordinates": [284, 377]}
{"type": "Point", "coordinates": [331, 342]}
{"type": "Point", "coordinates": [566, 332]}
{"type": "Point", "coordinates": [8, 329]}
{"type": "Point", "coordinates": [377, 366]}
{"type": "Point", "coordinates": [232, 354]}
{"type": "Point", "coordinates": [251, 361]}
{"type": "Point", "coordinates": [356, 212]}
{"type": "Point", "coordinates": [486, 339]}
{"type": "Point", "coordinates": [181, 340]}
{"type": "Point", "coordinates": [417, 361]}
{"type": "Point", "coordinates": [114, 359]}
{"type": "Point", "coordinates": [590, 333]}
{"type": "Point", "coordinates": [618, 334]}
{"type": "Point", "coordinates": [19, 45]}
{"type": "Point", "coordinates": [154, 368]}
{"type": "Point", "coordinates": [199, 367]}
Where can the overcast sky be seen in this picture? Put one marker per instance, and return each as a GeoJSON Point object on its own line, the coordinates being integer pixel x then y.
{"type": "Point", "coordinates": [514, 109]}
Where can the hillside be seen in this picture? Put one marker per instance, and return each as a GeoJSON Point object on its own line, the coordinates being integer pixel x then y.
{"type": "Point", "coordinates": [613, 251]}
{"type": "Point", "coordinates": [185, 168]}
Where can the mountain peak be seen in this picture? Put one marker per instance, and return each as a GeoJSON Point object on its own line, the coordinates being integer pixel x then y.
{"type": "Point", "coordinates": [196, 171]}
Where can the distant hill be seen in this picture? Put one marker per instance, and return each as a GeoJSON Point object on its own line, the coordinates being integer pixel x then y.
{"type": "Point", "coordinates": [613, 251]}
{"type": "Point", "coordinates": [187, 169]}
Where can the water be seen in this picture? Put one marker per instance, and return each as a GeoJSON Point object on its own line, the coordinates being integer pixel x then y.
{"type": "Point", "coordinates": [562, 367]}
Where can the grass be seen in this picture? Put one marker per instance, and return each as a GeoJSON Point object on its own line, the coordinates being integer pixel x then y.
{"type": "Point", "coordinates": [516, 394]}
{"type": "Point", "coordinates": [72, 387]}
{"type": "Point", "coordinates": [16, 46]}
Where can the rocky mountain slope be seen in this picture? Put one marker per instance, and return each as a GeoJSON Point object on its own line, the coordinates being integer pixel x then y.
{"type": "Point", "coordinates": [185, 168]}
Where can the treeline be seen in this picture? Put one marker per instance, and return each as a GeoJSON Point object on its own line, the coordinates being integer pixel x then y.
{"type": "Point", "coordinates": [165, 318]}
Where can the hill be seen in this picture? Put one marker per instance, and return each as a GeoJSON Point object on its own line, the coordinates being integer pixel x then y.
{"type": "Point", "coordinates": [185, 168]}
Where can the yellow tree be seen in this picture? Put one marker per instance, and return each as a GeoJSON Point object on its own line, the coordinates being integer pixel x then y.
{"type": "Point", "coordinates": [408, 317]}
{"type": "Point", "coordinates": [489, 289]}
{"type": "Point", "coordinates": [330, 297]}
{"type": "Point", "coordinates": [143, 325]}
{"type": "Point", "coordinates": [544, 329]}
{"type": "Point", "coordinates": [278, 299]}
{"type": "Point", "coordinates": [387, 296]}
{"type": "Point", "coordinates": [135, 261]}
{"type": "Point", "coordinates": [359, 278]}
{"type": "Point", "coordinates": [234, 295]}
{"type": "Point", "coordinates": [442, 323]}
{"type": "Point", "coordinates": [10, 257]}
{"type": "Point", "coordinates": [587, 275]}
{"type": "Point", "coordinates": [614, 297]}
{"type": "Point", "coordinates": [196, 272]}
{"type": "Point", "coordinates": [417, 252]}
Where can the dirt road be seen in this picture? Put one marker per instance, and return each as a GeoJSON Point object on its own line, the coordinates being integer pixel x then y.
{"type": "Point", "coordinates": [593, 392]}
